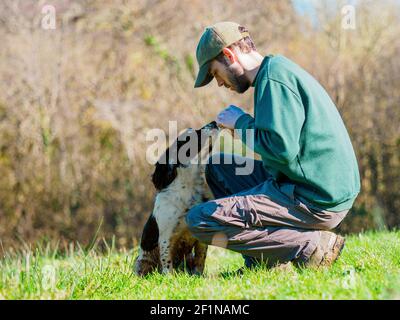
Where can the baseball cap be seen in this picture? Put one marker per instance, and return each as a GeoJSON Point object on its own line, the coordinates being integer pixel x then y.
{"type": "Point", "coordinates": [211, 43]}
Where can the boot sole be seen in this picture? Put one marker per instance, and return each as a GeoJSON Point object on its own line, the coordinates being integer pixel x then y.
{"type": "Point", "coordinates": [336, 251]}
{"type": "Point", "coordinates": [339, 245]}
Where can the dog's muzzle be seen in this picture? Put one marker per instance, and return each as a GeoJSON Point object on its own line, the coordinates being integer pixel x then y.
{"type": "Point", "coordinates": [211, 125]}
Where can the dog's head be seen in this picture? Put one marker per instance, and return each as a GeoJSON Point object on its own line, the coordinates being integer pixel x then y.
{"type": "Point", "coordinates": [191, 147]}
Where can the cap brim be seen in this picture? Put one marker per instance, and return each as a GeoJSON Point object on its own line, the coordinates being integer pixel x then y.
{"type": "Point", "coordinates": [203, 77]}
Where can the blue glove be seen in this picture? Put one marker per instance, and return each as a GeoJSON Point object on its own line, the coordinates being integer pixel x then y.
{"type": "Point", "coordinates": [228, 117]}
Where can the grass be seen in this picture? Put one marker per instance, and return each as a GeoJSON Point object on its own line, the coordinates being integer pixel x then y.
{"type": "Point", "coordinates": [369, 268]}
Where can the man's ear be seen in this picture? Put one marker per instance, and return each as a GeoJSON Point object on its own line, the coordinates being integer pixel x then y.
{"type": "Point", "coordinates": [230, 55]}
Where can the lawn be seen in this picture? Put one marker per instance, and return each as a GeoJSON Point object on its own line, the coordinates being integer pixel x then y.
{"type": "Point", "coordinates": [369, 268]}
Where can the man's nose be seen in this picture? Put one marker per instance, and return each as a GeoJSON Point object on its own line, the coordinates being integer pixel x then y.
{"type": "Point", "coordinates": [220, 83]}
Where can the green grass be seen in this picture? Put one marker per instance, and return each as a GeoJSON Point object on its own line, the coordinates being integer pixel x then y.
{"type": "Point", "coordinates": [368, 269]}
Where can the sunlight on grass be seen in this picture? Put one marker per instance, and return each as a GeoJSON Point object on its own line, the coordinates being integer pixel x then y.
{"type": "Point", "coordinates": [368, 269]}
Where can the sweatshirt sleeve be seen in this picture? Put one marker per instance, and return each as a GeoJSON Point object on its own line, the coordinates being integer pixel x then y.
{"type": "Point", "coordinates": [279, 118]}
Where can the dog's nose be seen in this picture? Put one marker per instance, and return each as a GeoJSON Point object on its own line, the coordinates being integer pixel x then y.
{"type": "Point", "coordinates": [212, 125]}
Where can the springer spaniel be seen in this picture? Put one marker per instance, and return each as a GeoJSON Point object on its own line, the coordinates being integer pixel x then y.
{"type": "Point", "coordinates": [166, 242]}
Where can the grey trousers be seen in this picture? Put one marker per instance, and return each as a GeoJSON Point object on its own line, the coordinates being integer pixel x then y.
{"type": "Point", "coordinates": [257, 217]}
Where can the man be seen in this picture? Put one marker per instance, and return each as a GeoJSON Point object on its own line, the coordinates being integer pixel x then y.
{"type": "Point", "coordinates": [308, 178]}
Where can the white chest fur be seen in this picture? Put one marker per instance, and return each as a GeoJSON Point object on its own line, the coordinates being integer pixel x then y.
{"type": "Point", "coordinates": [187, 190]}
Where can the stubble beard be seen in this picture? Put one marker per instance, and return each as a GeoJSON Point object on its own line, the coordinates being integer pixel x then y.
{"type": "Point", "coordinates": [239, 82]}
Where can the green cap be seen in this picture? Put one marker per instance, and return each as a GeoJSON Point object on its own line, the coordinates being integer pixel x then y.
{"type": "Point", "coordinates": [212, 41]}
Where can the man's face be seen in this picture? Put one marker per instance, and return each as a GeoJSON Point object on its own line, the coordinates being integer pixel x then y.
{"type": "Point", "coordinates": [230, 76]}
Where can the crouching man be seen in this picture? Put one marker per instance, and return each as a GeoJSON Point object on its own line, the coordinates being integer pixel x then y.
{"type": "Point", "coordinates": [308, 178]}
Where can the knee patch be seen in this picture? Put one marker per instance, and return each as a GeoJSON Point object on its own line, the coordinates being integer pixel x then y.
{"type": "Point", "coordinates": [193, 216]}
{"type": "Point", "coordinates": [198, 217]}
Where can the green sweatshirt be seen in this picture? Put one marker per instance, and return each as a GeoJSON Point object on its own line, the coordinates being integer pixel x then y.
{"type": "Point", "coordinates": [300, 135]}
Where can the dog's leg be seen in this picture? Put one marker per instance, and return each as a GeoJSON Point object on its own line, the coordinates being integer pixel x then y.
{"type": "Point", "coordinates": [148, 258]}
{"type": "Point", "coordinates": [164, 243]}
{"type": "Point", "coordinates": [200, 254]}
{"type": "Point", "coordinates": [147, 262]}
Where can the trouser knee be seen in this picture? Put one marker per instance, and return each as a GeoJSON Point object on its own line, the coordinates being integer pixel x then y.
{"type": "Point", "coordinates": [199, 220]}
{"type": "Point", "coordinates": [193, 218]}
{"type": "Point", "coordinates": [333, 222]}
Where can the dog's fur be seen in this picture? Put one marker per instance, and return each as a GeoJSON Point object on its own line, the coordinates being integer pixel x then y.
{"type": "Point", "coordinates": [166, 242]}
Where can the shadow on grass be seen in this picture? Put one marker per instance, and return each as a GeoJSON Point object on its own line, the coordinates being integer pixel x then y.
{"type": "Point", "coordinates": [262, 268]}
{"type": "Point", "coordinates": [259, 267]}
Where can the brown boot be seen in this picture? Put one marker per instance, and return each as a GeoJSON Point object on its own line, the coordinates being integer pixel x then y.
{"type": "Point", "coordinates": [327, 251]}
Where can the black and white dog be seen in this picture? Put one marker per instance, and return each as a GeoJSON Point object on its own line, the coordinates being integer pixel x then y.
{"type": "Point", "coordinates": [166, 242]}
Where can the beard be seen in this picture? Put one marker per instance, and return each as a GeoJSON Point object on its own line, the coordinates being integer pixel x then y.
{"type": "Point", "coordinates": [239, 83]}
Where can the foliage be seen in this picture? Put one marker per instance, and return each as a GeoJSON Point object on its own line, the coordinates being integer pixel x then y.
{"type": "Point", "coordinates": [76, 104]}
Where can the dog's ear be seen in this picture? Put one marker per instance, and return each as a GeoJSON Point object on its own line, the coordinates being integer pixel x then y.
{"type": "Point", "coordinates": [150, 234]}
{"type": "Point", "coordinates": [163, 175]}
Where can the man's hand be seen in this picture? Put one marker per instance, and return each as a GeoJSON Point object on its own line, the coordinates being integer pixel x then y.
{"type": "Point", "coordinates": [228, 117]}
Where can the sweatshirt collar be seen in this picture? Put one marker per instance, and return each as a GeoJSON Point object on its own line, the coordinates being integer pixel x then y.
{"type": "Point", "coordinates": [262, 65]}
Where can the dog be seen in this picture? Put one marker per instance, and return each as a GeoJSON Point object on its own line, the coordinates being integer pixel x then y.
{"type": "Point", "coordinates": [179, 178]}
